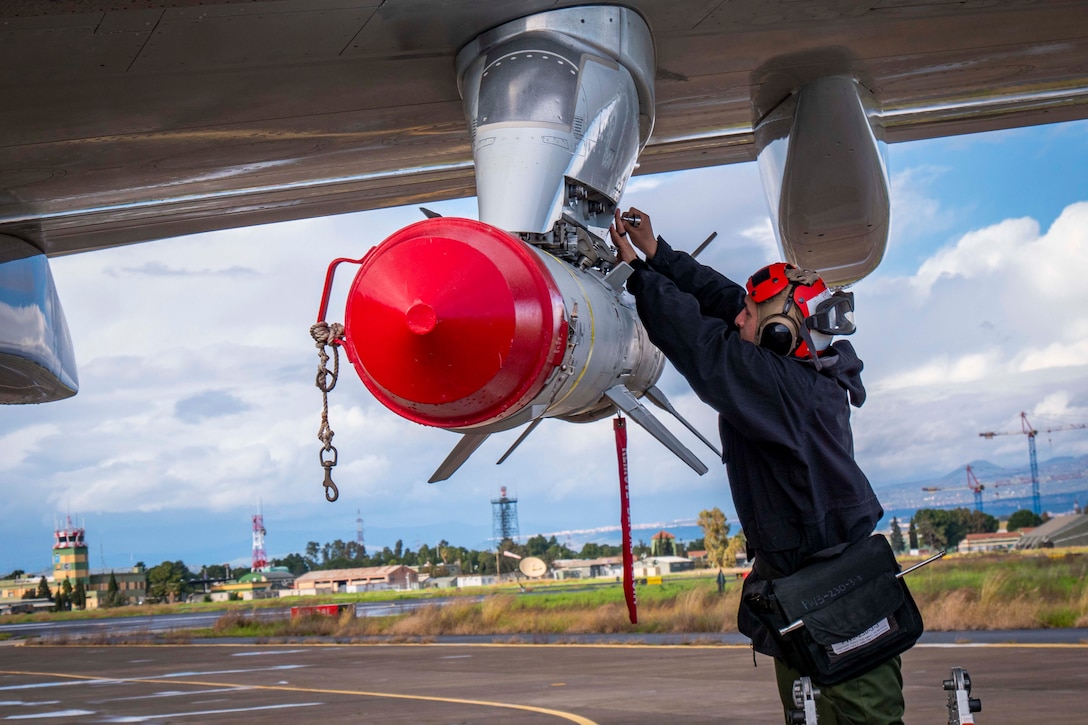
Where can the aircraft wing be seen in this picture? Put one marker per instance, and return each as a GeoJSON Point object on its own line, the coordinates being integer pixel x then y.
{"type": "Point", "coordinates": [126, 122]}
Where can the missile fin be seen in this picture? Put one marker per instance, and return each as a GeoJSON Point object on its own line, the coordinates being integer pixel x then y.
{"type": "Point", "coordinates": [465, 447]}
{"type": "Point", "coordinates": [618, 275]}
{"type": "Point", "coordinates": [657, 397]}
{"type": "Point", "coordinates": [525, 434]}
{"type": "Point", "coordinates": [628, 403]}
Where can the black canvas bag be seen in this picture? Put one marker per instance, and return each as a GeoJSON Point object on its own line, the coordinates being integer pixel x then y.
{"type": "Point", "coordinates": [855, 613]}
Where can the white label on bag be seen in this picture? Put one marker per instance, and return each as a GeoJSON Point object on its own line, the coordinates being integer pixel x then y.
{"type": "Point", "coordinates": [880, 628]}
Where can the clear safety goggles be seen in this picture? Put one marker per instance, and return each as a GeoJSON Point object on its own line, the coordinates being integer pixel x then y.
{"type": "Point", "coordinates": [834, 316]}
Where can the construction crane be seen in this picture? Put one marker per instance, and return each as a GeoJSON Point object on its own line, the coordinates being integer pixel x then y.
{"type": "Point", "coordinates": [976, 488]}
{"type": "Point", "coordinates": [1031, 432]}
{"type": "Point", "coordinates": [972, 484]}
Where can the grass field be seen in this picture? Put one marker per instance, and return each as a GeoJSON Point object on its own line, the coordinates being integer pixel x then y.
{"type": "Point", "coordinates": [1007, 591]}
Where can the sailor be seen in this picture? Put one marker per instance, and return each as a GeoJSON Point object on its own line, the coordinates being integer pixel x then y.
{"type": "Point", "coordinates": [762, 355]}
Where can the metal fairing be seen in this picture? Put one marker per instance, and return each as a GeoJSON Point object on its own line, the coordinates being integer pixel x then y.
{"type": "Point", "coordinates": [37, 362]}
{"type": "Point", "coordinates": [825, 178]}
{"type": "Point", "coordinates": [548, 98]}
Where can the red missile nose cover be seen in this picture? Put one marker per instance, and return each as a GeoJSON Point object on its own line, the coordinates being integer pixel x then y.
{"type": "Point", "coordinates": [452, 322]}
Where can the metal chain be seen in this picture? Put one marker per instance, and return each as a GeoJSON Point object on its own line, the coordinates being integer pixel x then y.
{"type": "Point", "coordinates": [326, 335]}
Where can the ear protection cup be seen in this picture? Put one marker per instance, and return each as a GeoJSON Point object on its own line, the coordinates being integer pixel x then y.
{"type": "Point", "coordinates": [778, 333]}
{"type": "Point", "coordinates": [790, 302]}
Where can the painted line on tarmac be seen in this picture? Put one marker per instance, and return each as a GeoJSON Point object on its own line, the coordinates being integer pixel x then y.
{"type": "Point", "coordinates": [313, 690]}
{"type": "Point", "coordinates": [225, 711]}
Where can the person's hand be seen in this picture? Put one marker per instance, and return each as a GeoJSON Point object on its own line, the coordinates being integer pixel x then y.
{"type": "Point", "coordinates": [627, 237]}
{"type": "Point", "coordinates": [618, 232]}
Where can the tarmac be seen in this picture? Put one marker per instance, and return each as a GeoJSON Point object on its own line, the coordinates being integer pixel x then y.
{"type": "Point", "coordinates": [496, 683]}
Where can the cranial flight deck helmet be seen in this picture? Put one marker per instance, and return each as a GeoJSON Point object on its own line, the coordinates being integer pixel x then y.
{"type": "Point", "coordinates": [796, 313]}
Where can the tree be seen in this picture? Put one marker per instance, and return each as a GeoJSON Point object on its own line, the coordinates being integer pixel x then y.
{"type": "Point", "coordinates": [737, 545]}
{"type": "Point", "coordinates": [561, 551]}
{"type": "Point", "coordinates": [169, 581]}
{"type": "Point", "coordinates": [1021, 519]}
{"type": "Point", "coordinates": [425, 555]}
{"type": "Point", "coordinates": [216, 571]}
{"type": "Point", "coordinates": [897, 542]}
{"type": "Point", "coordinates": [912, 535]}
{"type": "Point", "coordinates": [295, 564]}
{"type": "Point", "coordinates": [715, 536]}
{"type": "Point", "coordinates": [944, 529]}
{"type": "Point", "coordinates": [536, 545]}
{"type": "Point", "coordinates": [312, 550]}
{"type": "Point", "coordinates": [43, 589]}
{"type": "Point", "coordinates": [14, 574]}
{"type": "Point", "coordinates": [63, 601]}
{"type": "Point", "coordinates": [79, 595]}
{"type": "Point", "coordinates": [113, 597]}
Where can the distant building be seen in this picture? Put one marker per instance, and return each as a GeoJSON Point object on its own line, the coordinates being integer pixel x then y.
{"type": "Point", "coordinates": [19, 587]}
{"type": "Point", "coordinates": [364, 579]}
{"type": "Point", "coordinates": [605, 566]}
{"type": "Point", "coordinates": [612, 567]}
{"type": "Point", "coordinates": [662, 544]}
{"type": "Point", "coordinates": [698, 556]}
{"type": "Point", "coordinates": [1059, 531]}
{"type": "Point", "coordinates": [70, 561]}
{"type": "Point", "coordinates": [131, 584]}
{"type": "Point", "coordinates": [999, 541]}
{"type": "Point", "coordinates": [70, 555]}
{"type": "Point", "coordinates": [659, 565]}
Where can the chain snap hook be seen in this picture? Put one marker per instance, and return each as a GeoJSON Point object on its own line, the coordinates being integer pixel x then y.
{"type": "Point", "coordinates": [331, 492]}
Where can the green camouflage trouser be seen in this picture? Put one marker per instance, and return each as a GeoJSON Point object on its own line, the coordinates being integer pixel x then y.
{"type": "Point", "coordinates": [875, 698]}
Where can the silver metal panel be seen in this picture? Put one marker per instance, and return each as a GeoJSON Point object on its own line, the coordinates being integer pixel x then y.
{"type": "Point", "coordinates": [37, 362]}
{"type": "Point", "coordinates": [564, 95]}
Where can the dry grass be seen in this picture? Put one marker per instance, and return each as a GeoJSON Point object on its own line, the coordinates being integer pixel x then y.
{"type": "Point", "coordinates": [1009, 591]}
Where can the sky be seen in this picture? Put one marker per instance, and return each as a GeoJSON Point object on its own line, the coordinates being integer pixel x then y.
{"type": "Point", "coordinates": [197, 406]}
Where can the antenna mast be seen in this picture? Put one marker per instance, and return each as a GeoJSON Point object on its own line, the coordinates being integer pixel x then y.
{"type": "Point", "coordinates": [260, 559]}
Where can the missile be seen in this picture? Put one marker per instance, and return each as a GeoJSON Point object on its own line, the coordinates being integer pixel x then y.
{"type": "Point", "coordinates": [456, 324]}
{"type": "Point", "coordinates": [482, 326]}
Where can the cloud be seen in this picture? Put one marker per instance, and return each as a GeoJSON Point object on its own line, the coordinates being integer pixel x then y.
{"type": "Point", "coordinates": [21, 443]}
{"type": "Point", "coordinates": [158, 269]}
{"type": "Point", "coordinates": [997, 300]}
{"type": "Point", "coordinates": [988, 325]}
{"type": "Point", "coordinates": [209, 404]}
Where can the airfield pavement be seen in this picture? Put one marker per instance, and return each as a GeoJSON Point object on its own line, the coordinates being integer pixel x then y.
{"type": "Point", "coordinates": [505, 683]}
